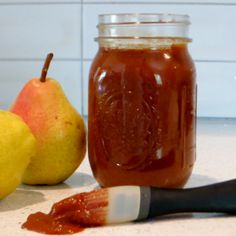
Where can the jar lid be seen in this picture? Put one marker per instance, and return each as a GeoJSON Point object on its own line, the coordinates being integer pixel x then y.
{"type": "Point", "coordinates": [143, 25]}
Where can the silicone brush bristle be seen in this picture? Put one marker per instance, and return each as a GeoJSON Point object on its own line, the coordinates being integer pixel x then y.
{"type": "Point", "coordinates": [86, 209]}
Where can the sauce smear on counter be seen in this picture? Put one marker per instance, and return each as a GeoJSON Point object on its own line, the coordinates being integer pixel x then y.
{"type": "Point", "coordinates": [49, 224]}
{"type": "Point", "coordinates": [70, 215]}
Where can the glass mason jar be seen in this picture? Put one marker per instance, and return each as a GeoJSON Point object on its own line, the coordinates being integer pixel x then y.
{"type": "Point", "coordinates": [142, 101]}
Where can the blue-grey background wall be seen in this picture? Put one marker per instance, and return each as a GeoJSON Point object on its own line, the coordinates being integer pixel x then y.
{"type": "Point", "coordinates": [30, 29]}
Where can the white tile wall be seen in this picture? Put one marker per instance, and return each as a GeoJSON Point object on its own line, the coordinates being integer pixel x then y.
{"type": "Point", "coordinates": [120, 1]}
{"type": "Point", "coordinates": [86, 67]}
{"type": "Point", "coordinates": [216, 89]}
{"type": "Point", "coordinates": [30, 31]}
{"type": "Point", "coordinates": [32, 28]}
{"type": "Point", "coordinates": [38, 1]}
{"type": "Point", "coordinates": [164, 1]}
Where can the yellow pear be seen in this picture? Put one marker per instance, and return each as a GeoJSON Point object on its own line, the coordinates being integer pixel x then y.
{"type": "Point", "coordinates": [58, 127]}
{"type": "Point", "coordinates": [17, 146]}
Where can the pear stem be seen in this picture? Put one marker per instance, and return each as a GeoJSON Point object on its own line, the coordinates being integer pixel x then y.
{"type": "Point", "coordinates": [45, 67]}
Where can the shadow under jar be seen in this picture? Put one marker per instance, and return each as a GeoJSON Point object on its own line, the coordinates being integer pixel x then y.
{"type": "Point", "coordinates": [142, 101]}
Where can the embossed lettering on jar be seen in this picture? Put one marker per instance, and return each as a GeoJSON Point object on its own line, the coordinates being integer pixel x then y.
{"type": "Point", "coordinates": [142, 101]}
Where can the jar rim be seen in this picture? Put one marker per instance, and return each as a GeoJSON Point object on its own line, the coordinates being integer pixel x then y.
{"type": "Point", "coordinates": [151, 43]}
{"type": "Point", "coordinates": [143, 25]}
{"type": "Point", "coordinates": [143, 18]}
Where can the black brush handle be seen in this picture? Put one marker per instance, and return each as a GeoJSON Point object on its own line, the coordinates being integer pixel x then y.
{"type": "Point", "coordinates": [220, 197]}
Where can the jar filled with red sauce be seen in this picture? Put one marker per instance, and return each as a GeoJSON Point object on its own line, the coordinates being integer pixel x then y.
{"type": "Point", "coordinates": [142, 101]}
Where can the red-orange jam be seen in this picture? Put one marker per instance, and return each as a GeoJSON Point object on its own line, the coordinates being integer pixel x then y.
{"type": "Point", "coordinates": [142, 112]}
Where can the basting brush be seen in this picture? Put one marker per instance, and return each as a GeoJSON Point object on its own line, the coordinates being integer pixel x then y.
{"type": "Point", "coordinates": [131, 203]}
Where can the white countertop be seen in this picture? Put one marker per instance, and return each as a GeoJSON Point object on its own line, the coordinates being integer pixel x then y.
{"type": "Point", "coordinates": [216, 161]}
